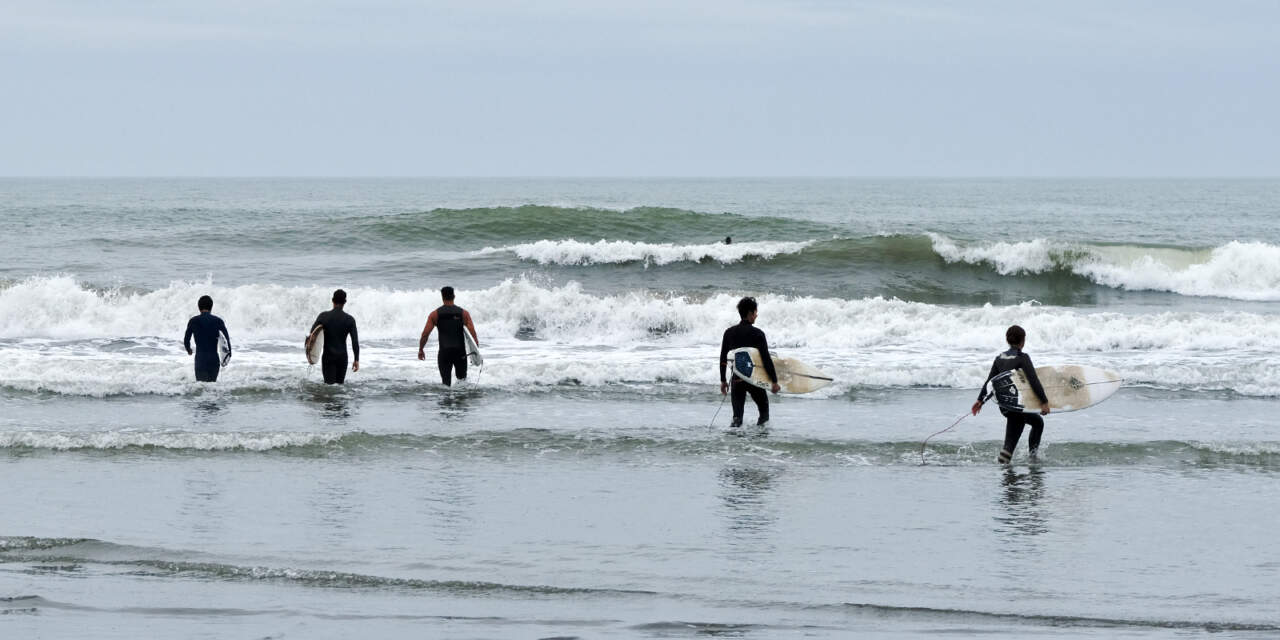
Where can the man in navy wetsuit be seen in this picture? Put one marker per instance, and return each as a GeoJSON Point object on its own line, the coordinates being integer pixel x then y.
{"type": "Point", "coordinates": [451, 320]}
{"type": "Point", "coordinates": [745, 334]}
{"type": "Point", "coordinates": [338, 324]}
{"type": "Point", "coordinates": [205, 328]}
{"type": "Point", "coordinates": [1007, 395]}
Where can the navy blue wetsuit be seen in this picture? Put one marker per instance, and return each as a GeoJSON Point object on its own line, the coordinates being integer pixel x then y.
{"type": "Point", "coordinates": [453, 346]}
{"type": "Point", "coordinates": [744, 334]}
{"type": "Point", "coordinates": [205, 328]}
{"type": "Point", "coordinates": [1007, 399]}
{"type": "Point", "coordinates": [338, 324]}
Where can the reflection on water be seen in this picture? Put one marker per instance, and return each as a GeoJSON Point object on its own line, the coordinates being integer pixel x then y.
{"type": "Point", "coordinates": [745, 493]}
{"type": "Point", "coordinates": [454, 404]}
{"type": "Point", "coordinates": [1022, 512]}
{"type": "Point", "coordinates": [206, 411]}
{"type": "Point", "coordinates": [334, 401]}
{"type": "Point", "coordinates": [334, 506]}
{"type": "Point", "coordinates": [202, 506]}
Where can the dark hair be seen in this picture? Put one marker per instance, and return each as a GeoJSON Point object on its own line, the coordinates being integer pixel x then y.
{"type": "Point", "coordinates": [205, 303]}
{"type": "Point", "coordinates": [1015, 335]}
{"type": "Point", "coordinates": [446, 293]}
{"type": "Point", "coordinates": [339, 297]}
{"type": "Point", "coordinates": [746, 306]}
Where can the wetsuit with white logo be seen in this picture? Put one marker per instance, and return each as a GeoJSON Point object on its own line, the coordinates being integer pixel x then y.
{"type": "Point", "coordinates": [453, 346]}
{"type": "Point", "coordinates": [744, 334]}
{"type": "Point", "coordinates": [1010, 406]}
{"type": "Point", "coordinates": [338, 324]}
{"type": "Point", "coordinates": [205, 328]}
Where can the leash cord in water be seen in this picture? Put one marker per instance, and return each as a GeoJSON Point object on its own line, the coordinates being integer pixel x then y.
{"type": "Point", "coordinates": [953, 425]}
{"type": "Point", "coordinates": [724, 396]}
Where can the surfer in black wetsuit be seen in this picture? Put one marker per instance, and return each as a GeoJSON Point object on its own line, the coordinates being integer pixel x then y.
{"type": "Point", "coordinates": [205, 328]}
{"type": "Point", "coordinates": [451, 320]}
{"type": "Point", "coordinates": [1007, 395]}
{"type": "Point", "coordinates": [745, 334]}
{"type": "Point", "coordinates": [338, 324]}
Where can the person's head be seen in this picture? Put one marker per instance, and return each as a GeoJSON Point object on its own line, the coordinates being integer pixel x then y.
{"type": "Point", "coordinates": [728, 240]}
{"type": "Point", "coordinates": [747, 309]}
{"type": "Point", "coordinates": [205, 303]}
{"type": "Point", "coordinates": [446, 294]}
{"type": "Point", "coordinates": [339, 297]}
{"type": "Point", "coordinates": [1015, 336]}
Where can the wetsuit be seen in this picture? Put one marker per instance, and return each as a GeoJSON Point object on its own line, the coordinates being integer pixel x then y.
{"type": "Point", "coordinates": [205, 328]}
{"type": "Point", "coordinates": [1010, 405]}
{"type": "Point", "coordinates": [744, 334]}
{"type": "Point", "coordinates": [453, 346]}
{"type": "Point", "coordinates": [338, 324]}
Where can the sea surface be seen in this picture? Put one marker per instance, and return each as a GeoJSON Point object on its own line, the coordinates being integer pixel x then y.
{"type": "Point", "coordinates": [584, 484]}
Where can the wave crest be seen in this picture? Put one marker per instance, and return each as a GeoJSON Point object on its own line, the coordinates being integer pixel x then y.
{"type": "Point", "coordinates": [1238, 270]}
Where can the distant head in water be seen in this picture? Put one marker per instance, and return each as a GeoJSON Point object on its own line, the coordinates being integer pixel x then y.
{"type": "Point", "coordinates": [339, 297]}
{"type": "Point", "coordinates": [1015, 336]}
{"type": "Point", "coordinates": [205, 303]}
{"type": "Point", "coordinates": [446, 294]}
{"type": "Point", "coordinates": [728, 240]}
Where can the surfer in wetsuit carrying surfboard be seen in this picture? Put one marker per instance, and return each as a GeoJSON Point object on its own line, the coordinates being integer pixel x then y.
{"type": "Point", "coordinates": [745, 334]}
{"type": "Point", "coordinates": [451, 320]}
{"type": "Point", "coordinates": [205, 328]}
{"type": "Point", "coordinates": [338, 324]}
{"type": "Point", "coordinates": [1006, 395]}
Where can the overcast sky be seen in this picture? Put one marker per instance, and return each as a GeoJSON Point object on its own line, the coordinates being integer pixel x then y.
{"type": "Point", "coordinates": [639, 88]}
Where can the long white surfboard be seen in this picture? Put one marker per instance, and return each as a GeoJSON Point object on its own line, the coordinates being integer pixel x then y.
{"type": "Point", "coordinates": [794, 376]}
{"type": "Point", "coordinates": [314, 345]}
{"type": "Point", "coordinates": [473, 349]}
{"type": "Point", "coordinates": [1069, 387]}
{"type": "Point", "coordinates": [224, 350]}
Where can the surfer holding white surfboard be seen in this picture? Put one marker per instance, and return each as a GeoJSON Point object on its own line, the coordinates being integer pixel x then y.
{"type": "Point", "coordinates": [1007, 398]}
{"type": "Point", "coordinates": [456, 346]}
{"type": "Point", "coordinates": [337, 325]}
{"type": "Point", "coordinates": [213, 343]}
{"type": "Point", "coordinates": [745, 334]}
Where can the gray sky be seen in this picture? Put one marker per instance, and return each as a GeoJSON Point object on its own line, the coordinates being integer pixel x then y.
{"type": "Point", "coordinates": [639, 88]}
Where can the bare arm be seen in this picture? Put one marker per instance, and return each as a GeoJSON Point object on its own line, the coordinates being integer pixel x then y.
{"type": "Point", "coordinates": [426, 334]}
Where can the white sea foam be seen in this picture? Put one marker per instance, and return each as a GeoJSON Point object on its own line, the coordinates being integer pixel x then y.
{"type": "Point", "coordinates": [62, 440]}
{"type": "Point", "coordinates": [574, 252]}
{"type": "Point", "coordinates": [63, 338]}
{"type": "Point", "coordinates": [1238, 270]}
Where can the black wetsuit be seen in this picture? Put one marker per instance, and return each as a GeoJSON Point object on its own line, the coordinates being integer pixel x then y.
{"type": "Point", "coordinates": [338, 324]}
{"type": "Point", "coordinates": [744, 334]}
{"type": "Point", "coordinates": [1010, 404]}
{"type": "Point", "coordinates": [453, 346]}
{"type": "Point", "coordinates": [205, 328]}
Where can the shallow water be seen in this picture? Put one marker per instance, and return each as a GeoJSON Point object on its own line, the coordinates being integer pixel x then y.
{"type": "Point", "coordinates": [581, 487]}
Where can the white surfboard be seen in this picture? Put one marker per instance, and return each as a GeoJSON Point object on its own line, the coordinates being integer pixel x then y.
{"type": "Point", "coordinates": [314, 345]}
{"type": "Point", "coordinates": [473, 349]}
{"type": "Point", "coordinates": [794, 376]}
{"type": "Point", "coordinates": [224, 350]}
{"type": "Point", "coordinates": [1069, 387]}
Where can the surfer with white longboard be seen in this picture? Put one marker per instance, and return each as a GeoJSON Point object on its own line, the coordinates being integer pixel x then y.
{"type": "Point", "coordinates": [458, 339]}
{"type": "Point", "coordinates": [745, 334]}
{"type": "Point", "coordinates": [332, 327]}
{"type": "Point", "coordinates": [213, 343]}
{"type": "Point", "coordinates": [1006, 394]}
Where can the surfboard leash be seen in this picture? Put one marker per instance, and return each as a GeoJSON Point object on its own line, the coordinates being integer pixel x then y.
{"type": "Point", "coordinates": [723, 397]}
{"type": "Point", "coordinates": [953, 425]}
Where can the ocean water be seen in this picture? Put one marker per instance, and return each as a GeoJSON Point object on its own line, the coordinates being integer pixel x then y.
{"type": "Point", "coordinates": [585, 484]}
